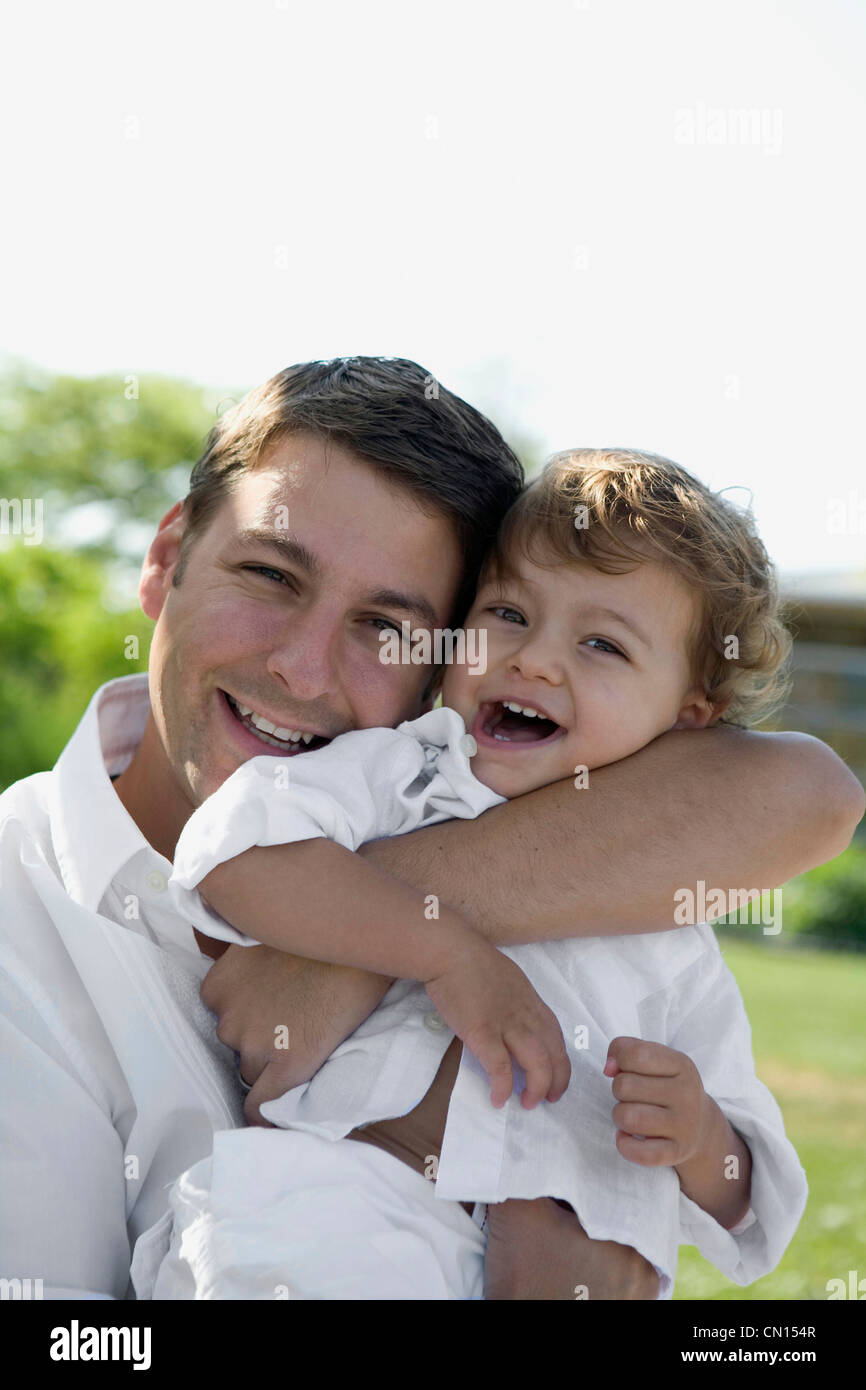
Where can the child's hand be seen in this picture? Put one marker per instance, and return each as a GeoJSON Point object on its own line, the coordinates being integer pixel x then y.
{"type": "Point", "coordinates": [664, 1113]}
{"type": "Point", "coordinates": [493, 1008]}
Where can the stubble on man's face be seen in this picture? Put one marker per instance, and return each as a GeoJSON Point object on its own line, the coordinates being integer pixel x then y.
{"type": "Point", "coordinates": [301, 648]}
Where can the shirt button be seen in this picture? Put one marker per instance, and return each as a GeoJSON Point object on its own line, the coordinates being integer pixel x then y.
{"type": "Point", "coordinates": [434, 1022]}
{"type": "Point", "coordinates": [157, 881]}
{"type": "Point", "coordinates": [468, 746]}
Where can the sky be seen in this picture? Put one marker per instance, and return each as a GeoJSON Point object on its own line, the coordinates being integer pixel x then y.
{"type": "Point", "coordinates": [606, 222]}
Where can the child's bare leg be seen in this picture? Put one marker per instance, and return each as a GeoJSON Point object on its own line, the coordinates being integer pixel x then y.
{"type": "Point", "coordinates": [539, 1250]}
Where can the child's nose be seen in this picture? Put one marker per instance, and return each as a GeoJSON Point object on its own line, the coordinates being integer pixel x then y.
{"type": "Point", "coordinates": [538, 659]}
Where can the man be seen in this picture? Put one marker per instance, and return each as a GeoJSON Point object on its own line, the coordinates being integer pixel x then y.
{"type": "Point", "coordinates": [338, 499]}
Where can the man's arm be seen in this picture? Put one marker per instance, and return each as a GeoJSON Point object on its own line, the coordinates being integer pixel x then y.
{"type": "Point", "coordinates": [734, 808]}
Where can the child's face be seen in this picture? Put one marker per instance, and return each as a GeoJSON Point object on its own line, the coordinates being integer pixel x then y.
{"type": "Point", "coordinates": [603, 657]}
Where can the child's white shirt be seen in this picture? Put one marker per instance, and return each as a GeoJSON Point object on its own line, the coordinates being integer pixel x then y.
{"type": "Point", "coordinates": [669, 987]}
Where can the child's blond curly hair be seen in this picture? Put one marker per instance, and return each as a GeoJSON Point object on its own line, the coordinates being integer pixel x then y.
{"type": "Point", "coordinates": [614, 508]}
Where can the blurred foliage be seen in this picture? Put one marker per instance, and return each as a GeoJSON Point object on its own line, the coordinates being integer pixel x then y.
{"type": "Point", "coordinates": [58, 643]}
{"type": "Point", "coordinates": [826, 904]}
{"type": "Point", "coordinates": [121, 445]}
{"type": "Point", "coordinates": [829, 901]}
{"type": "Point", "coordinates": [108, 457]}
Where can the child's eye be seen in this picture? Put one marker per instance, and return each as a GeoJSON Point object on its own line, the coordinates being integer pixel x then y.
{"type": "Point", "coordinates": [605, 645]}
{"type": "Point", "coordinates": [503, 608]}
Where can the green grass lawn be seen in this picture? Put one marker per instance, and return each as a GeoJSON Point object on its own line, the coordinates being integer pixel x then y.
{"type": "Point", "coordinates": [808, 1015]}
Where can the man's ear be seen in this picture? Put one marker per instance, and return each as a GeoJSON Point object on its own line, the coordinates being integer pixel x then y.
{"type": "Point", "coordinates": [160, 561]}
{"type": "Point", "coordinates": [698, 712]}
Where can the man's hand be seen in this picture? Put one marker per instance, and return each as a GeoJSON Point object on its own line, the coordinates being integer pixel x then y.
{"type": "Point", "coordinates": [538, 1250]}
{"type": "Point", "coordinates": [264, 997]}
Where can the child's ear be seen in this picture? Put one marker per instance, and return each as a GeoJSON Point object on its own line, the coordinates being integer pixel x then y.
{"type": "Point", "coordinates": [698, 712]}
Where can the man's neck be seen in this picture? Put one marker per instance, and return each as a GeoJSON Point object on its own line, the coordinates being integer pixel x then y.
{"type": "Point", "coordinates": [151, 796]}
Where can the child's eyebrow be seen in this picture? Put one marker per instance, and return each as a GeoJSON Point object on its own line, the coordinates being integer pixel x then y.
{"type": "Point", "coordinates": [618, 617]}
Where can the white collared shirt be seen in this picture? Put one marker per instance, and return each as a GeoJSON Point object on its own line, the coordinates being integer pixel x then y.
{"type": "Point", "coordinates": [111, 1075]}
{"type": "Point", "coordinates": [669, 987]}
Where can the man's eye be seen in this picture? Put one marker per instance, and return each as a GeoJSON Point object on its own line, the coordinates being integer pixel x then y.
{"type": "Point", "coordinates": [387, 624]}
{"type": "Point", "coordinates": [503, 608]}
{"type": "Point", "coordinates": [605, 645]}
{"type": "Point", "coordinates": [263, 569]}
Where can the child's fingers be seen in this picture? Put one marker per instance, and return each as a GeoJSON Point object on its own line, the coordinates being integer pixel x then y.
{"type": "Point", "coordinates": [639, 1055]}
{"type": "Point", "coordinates": [533, 1056]}
{"type": "Point", "coordinates": [496, 1061]}
{"type": "Point", "coordinates": [561, 1075]}
{"type": "Point", "coordinates": [653, 1121]}
{"type": "Point", "coordinates": [649, 1153]}
{"type": "Point", "coordinates": [650, 1090]}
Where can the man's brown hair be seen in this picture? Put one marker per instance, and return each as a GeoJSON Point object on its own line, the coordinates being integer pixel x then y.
{"type": "Point", "coordinates": [395, 416]}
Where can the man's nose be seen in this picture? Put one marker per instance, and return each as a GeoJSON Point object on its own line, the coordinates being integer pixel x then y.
{"type": "Point", "coordinates": [307, 655]}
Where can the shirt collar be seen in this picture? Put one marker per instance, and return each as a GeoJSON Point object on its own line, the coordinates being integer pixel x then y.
{"type": "Point", "coordinates": [94, 835]}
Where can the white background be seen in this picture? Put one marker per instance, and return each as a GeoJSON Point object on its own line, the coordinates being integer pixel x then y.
{"type": "Point", "coordinates": [551, 205]}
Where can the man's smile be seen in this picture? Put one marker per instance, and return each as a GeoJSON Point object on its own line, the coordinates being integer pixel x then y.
{"type": "Point", "coordinates": [265, 731]}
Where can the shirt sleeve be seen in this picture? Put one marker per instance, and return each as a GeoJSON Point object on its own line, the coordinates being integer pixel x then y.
{"type": "Point", "coordinates": [63, 1196]}
{"type": "Point", "coordinates": [364, 785]}
{"type": "Point", "coordinates": [716, 1034]}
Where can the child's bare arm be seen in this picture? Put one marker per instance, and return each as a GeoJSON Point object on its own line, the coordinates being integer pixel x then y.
{"type": "Point", "coordinates": [319, 900]}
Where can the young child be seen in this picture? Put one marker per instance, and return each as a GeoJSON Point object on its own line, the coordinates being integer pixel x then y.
{"type": "Point", "coordinates": [622, 599]}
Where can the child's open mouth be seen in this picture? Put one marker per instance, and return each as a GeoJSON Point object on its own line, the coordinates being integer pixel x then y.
{"type": "Point", "coordinates": [499, 723]}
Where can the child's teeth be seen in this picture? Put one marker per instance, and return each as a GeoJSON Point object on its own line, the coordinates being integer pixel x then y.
{"type": "Point", "coordinates": [522, 709]}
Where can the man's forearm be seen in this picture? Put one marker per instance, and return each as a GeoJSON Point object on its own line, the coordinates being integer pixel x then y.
{"type": "Point", "coordinates": [732, 808]}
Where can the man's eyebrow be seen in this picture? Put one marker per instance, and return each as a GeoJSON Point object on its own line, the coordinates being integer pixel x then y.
{"type": "Point", "coordinates": [417, 604]}
{"type": "Point", "coordinates": [290, 549]}
{"type": "Point", "coordinates": [297, 554]}
{"type": "Point", "coordinates": [626, 622]}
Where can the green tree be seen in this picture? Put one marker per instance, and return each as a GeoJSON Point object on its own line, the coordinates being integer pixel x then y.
{"type": "Point", "coordinates": [106, 458]}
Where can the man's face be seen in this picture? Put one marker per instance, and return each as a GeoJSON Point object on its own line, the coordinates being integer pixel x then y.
{"type": "Point", "coordinates": [279, 610]}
